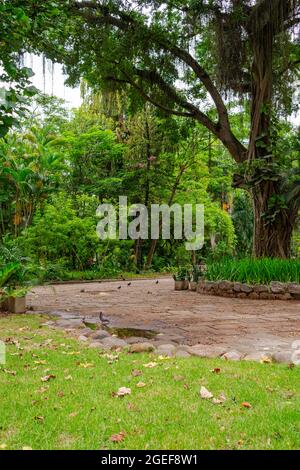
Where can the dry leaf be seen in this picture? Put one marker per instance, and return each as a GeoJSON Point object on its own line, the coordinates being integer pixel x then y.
{"type": "Point", "coordinates": [69, 377]}
{"type": "Point", "coordinates": [86, 365]}
{"type": "Point", "coordinates": [48, 377]}
{"type": "Point", "coordinates": [10, 372]}
{"type": "Point", "coordinates": [3, 446]}
{"type": "Point", "coordinates": [136, 372]}
{"type": "Point", "coordinates": [73, 414]}
{"type": "Point", "coordinates": [265, 360]}
{"type": "Point", "coordinates": [150, 365]}
{"type": "Point", "coordinates": [39, 418]}
{"type": "Point", "coordinates": [141, 385]}
{"type": "Point", "coordinates": [220, 400]}
{"type": "Point", "coordinates": [117, 437]}
{"type": "Point", "coordinates": [60, 394]}
{"type": "Point", "coordinates": [217, 370]}
{"type": "Point", "coordinates": [26, 448]}
{"type": "Point", "coordinates": [40, 362]}
{"type": "Point", "coordinates": [123, 391]}
{"type": "Point", "coordinates": [42, 390]}
{"type": "Point", "coordinates": [205, 394]}
{"type": "Point", "coordinates": [245, 404]}
{"type": "Point", "coordinates": [178, 378]}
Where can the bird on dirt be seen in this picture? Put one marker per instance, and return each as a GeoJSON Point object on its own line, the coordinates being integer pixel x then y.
{"type": "Point", "coordinates": [157, 282]}
{"type": "Point", "coordinates": [129, 284]}
{"type": "Point", "coordinates": [123, 278]}
{"type": "Point", "coordinates": [120, 287]}
{"type": "Point", "coordinates": [103, 320]}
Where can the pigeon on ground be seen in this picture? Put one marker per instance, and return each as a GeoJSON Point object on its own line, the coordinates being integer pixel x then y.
{"type": "Point", "coordinates": [157, 282]}
{"type": "Point", "coordinates": [119, 287]}
{"type": "Point", "coordinates": [103, 320]}
{"type": "Point", "coordinates": [129, 284]}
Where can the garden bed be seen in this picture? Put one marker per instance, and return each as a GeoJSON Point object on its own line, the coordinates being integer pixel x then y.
{"type": "Point", "coordinates": [273, 291]}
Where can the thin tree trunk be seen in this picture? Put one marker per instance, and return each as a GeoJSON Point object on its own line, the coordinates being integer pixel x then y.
{"type": "Point", "coordinates": [170, 202]}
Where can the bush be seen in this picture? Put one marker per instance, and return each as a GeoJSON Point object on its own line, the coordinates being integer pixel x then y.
{"type": "Point", "coordinates": [254, 271]}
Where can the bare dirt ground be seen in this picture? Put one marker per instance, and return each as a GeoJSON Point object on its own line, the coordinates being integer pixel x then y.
{"type": "Point", "coordinates": [184, 317]}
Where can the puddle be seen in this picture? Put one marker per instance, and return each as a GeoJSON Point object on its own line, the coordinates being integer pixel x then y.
{"type": "Point", "coordinates": [127, 332]}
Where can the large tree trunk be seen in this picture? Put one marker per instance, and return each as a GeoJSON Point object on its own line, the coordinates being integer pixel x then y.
{"type": "Point", "coordinates": [272, 234]}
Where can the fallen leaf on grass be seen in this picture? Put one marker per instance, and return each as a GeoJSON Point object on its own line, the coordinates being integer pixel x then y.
{"type": "Point", "coordinates": [26, 448]}
{"type": "Point", "coordinates": [205, 394]}
{"type": "Point", "coordinates": [39, 418]}
{"type": "Point", "coordinates": [3, 446]}
{"type": "Point", "coordinates": [266, 360]}
{"type": "Point", "coordinates": [220, 400]}
{"type": "Point", "coordinates": [141, 385]}
{"type": "Point", "coordinates": [40, 363]}
{"type": "Point", "coordinates": [118, 437]}
{"type": "Point", "coordinates": [122, 392]}
{"type": "Point", "coordinates": [150, 365]}
{"type": "Point", "coordinates": [42, 390]}
{"type": "Point", "coordinates": [136, 372]}
{"type": "Point", "coordinates": [60, 394]}
{"type": "Point", "coordinates": [10, 372]}
{"type": "Point", "coordinates": [178, 378]}
{"type": "Point", "coordinates": [69, 377]}
{"type": "Point", "coordinates": [86, 365]}
{"type": "Point", "coordinates": [217, 370]}
{"type": "Point", "coordinates": [73, 414]}
{"type": "Point", "coordinates": [48, 377]}
{"type": "Point", "coordinates": [245, 404]}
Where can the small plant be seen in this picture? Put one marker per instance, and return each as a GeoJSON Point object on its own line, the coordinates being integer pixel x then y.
{"type": "Point", "coordinates": [182, 274]}
{"type": "Point", "coordinates": [196, 273]}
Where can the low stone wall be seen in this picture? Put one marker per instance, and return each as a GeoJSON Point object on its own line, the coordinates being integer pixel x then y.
{"type": "Point", "coordinates": [274, 291]}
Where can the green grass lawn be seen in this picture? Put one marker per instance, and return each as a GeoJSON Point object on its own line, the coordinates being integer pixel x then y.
{"type": "Point", "coordinates": [78, 410]}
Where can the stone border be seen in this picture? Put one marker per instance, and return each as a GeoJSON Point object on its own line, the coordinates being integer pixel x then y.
{"type": "Point", "coordinates": [274, 291]}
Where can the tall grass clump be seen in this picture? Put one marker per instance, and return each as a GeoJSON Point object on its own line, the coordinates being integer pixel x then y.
{"type": "Point", "coordinates": [254, 271]}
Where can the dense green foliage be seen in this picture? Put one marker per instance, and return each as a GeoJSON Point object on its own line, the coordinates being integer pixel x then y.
{"type": "Point", "coordinates": [254, 271]}
{"type": "Point", "coordinates": [186, 58]}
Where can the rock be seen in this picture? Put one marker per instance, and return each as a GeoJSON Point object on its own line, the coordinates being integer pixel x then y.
{"type": "Point", "coordinates": [237, 286]}
{"type": "Point", "coordinates": [286, 296]}
{"type": "Point", "coordinates": [182, 354]}
{"type": "Point", "coordinates": [277, 287]}
{"type": "Point", "coordinates": [294, 288]}
{"type": "Point", "coordinates": [100, 334]}
{"type": "Point", "coordinates": [203, 350]}
{"type": "Point", "coordinates": [246, 288]}
{"type": "Point", "coordinates": [70, 323]}
{"type": "Point", "coordinates": [96, 344]}
{"type": "Point", "coordinates": [282, 357]}
{"type": "Point", "coordinates": [208, 285]}
{"type": "Point", "coordinates": [265, 296]}
{"type": "Point", "coordinates": [86, 332]}
{"type": "Point", "coordinates": [253, 295]}
{"type": "Point", "coordinates": [82, 338]}
{"type": "Point", "coordinates": [225, 286]}
{"type": "Point", "coordinates": [113, 343]}
{"type": "Point", "coordinates": [135, 339]}
{"type": "Point", "coordinates": [141, 347]}
{"type": "Point", "coordinates": [260, 288]}
{"type": "Point", "coordinates": [242, 295]}
{"type": "Point", "coordinates": [232, 356]}
{"type": "Point", "coordinates": [257, 356]}
{"type": "Point", "coordinates": [166, 350]}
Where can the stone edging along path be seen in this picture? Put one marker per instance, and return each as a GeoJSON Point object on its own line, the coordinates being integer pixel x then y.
{"type": "Point", "coordinates": [95, 337]}
{"type": "Point", "coordinates": [274, 291]}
